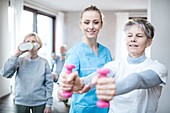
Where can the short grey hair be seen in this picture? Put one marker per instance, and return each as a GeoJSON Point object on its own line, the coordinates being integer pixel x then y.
{"type": "Point", "coordinates": [145, 25]}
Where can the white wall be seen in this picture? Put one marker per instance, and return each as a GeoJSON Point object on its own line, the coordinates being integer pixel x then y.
{"type": "Point", "coordinates": [121, 50]}
{"type": "Point", "coordinates": [59, 31]}
{"type": "Point", "coordinates": [4, 45]}
{"type": "Point", "coordinates": [160, 18]}
{"type": "Point", "coordinates": [72, 30]}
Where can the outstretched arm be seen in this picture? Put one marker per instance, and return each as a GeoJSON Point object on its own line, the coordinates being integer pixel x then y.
{"type": "Point", "coordinates": [144, 80]}
{"type": "Point", "coordinates": [11, 65]}
{"type": "Point", "coordinates": [106, 88]}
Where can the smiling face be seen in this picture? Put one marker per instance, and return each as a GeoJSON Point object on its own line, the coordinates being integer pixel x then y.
{"type": "Point", "coordinates": [91, 24]}
{"type": "Point", "coordinates": [136, 41]}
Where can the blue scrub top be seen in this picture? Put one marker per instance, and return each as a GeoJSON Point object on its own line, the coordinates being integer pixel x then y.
{"type": "Point", "coordinates": [86, 62]}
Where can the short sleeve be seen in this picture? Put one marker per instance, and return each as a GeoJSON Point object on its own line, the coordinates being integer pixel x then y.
{"type": "Point", "coordinates": [72, 58]}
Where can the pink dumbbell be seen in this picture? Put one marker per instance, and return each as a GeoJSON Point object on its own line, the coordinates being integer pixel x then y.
{"type": "Point", "coordinates": [69, 67]}
{"type": "Point", "coordinates": [102, 103]}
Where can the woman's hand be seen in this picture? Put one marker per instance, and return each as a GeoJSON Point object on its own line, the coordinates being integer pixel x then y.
{"type": "Point", "coordinates": [19, 52]}
{"type": "Point", "coordinates": [70, 82]}
{"type": "Point", "coordinates": [105, 88]}
{"type": "Point", "coordinates": [47, 110]}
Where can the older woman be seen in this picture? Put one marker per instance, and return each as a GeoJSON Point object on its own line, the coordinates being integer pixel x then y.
{"type": "Point", "coordinates": [33, 81]}
{"type": "Point", "coordinates": [137, 80]}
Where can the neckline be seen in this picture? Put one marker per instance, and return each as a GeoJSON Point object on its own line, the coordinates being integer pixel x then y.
{"type": "Point", "coordinates": [87, 46]}
{"type": "Point", "coordinates": [137, 60]}
{"type": "Point", "coordinates": [32, 59]}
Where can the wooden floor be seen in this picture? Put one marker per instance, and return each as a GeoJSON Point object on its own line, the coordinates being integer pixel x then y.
{"type": "Point", "coordinates": [7, 105]}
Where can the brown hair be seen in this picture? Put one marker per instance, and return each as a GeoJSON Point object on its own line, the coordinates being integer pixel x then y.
{"type": "Point", "coordinates": [92, 8]}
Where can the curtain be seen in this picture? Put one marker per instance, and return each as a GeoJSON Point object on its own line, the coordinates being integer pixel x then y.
{"type": "Point", "coordinates": [15, 11]}
{"type": "Point", "coordinates": [121, 19]}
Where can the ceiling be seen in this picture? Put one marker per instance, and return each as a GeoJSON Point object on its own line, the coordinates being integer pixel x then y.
{"type": "Point", "coordinates": [78, 5]}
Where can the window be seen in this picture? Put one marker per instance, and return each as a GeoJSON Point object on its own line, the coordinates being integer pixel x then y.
{"type": "Point", "coordinates": [45, 31]}
{"type": "Point", "coordinates": [36, 21]}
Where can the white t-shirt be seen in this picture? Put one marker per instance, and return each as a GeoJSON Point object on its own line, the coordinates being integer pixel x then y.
{"type": "Point", "coordinates": [141, 100]}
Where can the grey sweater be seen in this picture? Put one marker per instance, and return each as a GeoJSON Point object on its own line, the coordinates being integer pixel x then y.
{"type": "Point", "coordinates": [33, 80]}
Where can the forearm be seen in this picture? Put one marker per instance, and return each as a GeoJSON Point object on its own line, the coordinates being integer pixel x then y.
{"type": "Point", "coordinates": [143, 80]}
{"type": "Point", "coordinates": [49, 85]}
{"type": "Point", "coordinates": [10, 67]}
{"type": "Point", "coordinates": [49, 97]}
{"type": "Point", "coordinates": [88, 79]}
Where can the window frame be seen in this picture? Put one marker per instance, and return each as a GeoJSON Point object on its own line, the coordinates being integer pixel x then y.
{"type": "Point", "coordinates": [35, 13]}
